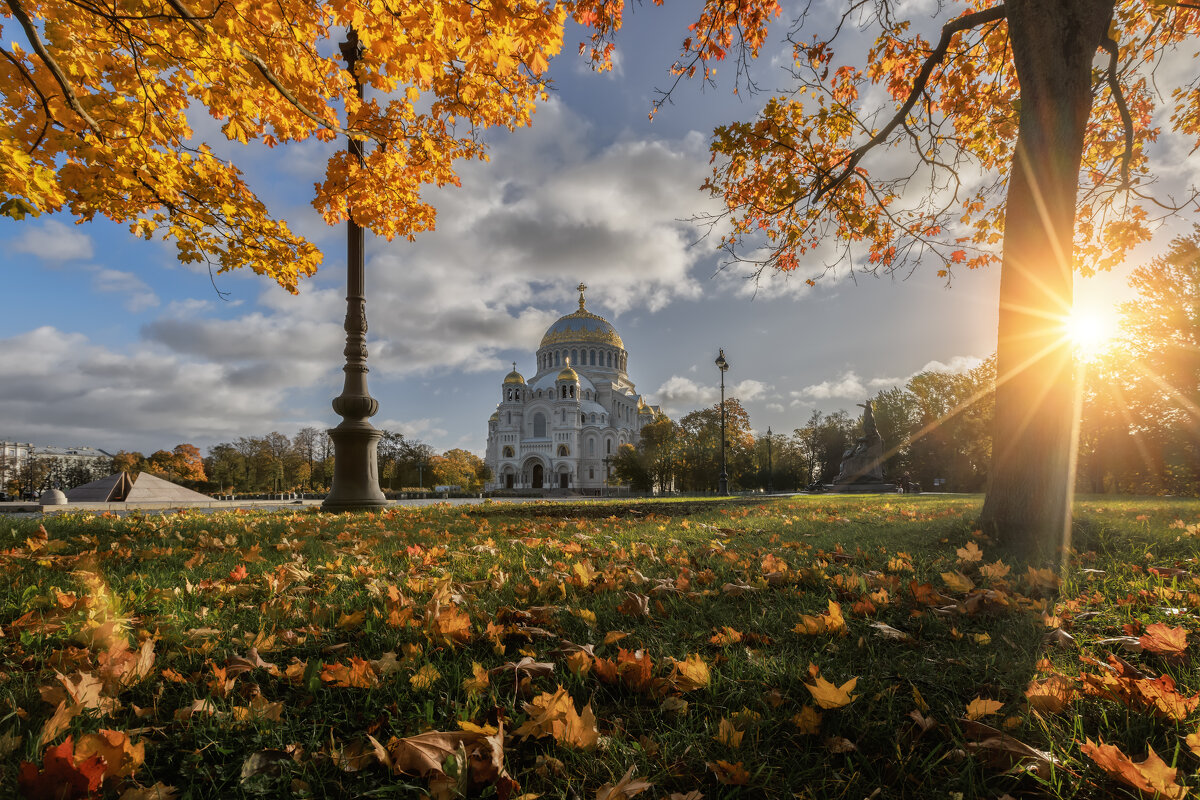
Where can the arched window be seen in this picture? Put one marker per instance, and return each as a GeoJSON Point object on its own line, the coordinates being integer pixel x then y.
{"type": "Point", "coordinates": [593, 358]}
{"type": "Point", "coordinates": [574, 356]}
{"type": "Point", "coordinates": [591, 472]}
{"type": "Point", "coordinates": [539, 424]}
{"type": "Point", "coordinates": [608, 446]}
{"type": "Point", "coordinates": [563, 450]}
{"type": "Point", "coordinates": [610, 358]}
{"type": "Point", "coordinates": [591, 447]}
{"type": "Point", "coordinates": [572, 390]}
{"type": "Point", "coordinates": [508, 452]}
{"type": "Point", "coordinates": [556, 359]}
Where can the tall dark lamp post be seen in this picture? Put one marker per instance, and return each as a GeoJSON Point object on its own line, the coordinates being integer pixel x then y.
{"type": "Point", "coordinates": [723, 478]}
{"type": "Point", "coordinates": [355, 439]}
{"type": "Point", "coordinates": [770, 487]}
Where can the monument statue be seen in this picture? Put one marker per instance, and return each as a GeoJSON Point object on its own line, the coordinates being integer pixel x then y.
{"type": "Point", "coordinates": [863, 463]}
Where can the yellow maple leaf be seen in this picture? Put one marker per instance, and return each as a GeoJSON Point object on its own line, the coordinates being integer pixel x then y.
{"type": "Point", "coordinates": [957, 582]}
{"type": "Point", "coordinates": [1151, 776]}
{"type": "Point", "coordinates": [995, 571]}
{"type": "Point", "coordinates": [808, 721]}
{"type": "Point", "coordinates": [830, 622]}
{"type": "Point", "coordinates": [691, 673]}
{"type": "Point", "coordinates": [577, 730]}
{"type": "Point", "coordinates": [478, 682]}
{"type": "Point", "coordinates": [969, 554]}
{"type": "Point", "coordinates": [828, 695]}
{"type": "Point", "coordinates": [728, 734]}
{"type": "Point", "coordinates": [979, 708]}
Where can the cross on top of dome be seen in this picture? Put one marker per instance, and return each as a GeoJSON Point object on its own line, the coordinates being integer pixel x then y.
{"type": "Point", "coordinates": [582, 287]}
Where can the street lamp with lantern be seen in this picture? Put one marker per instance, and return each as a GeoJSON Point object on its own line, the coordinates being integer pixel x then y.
{"type": "Point", "coordinates": [723, 478]}
{"type": "Point", "coordinates": [355, 439]}
{"type": "Point", "coordinates": [770, 487]}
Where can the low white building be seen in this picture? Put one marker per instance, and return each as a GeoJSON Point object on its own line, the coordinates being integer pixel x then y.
{"type": "Point", "coordinates": [559, 429]}
{"type": "Point", "coordinates": [15, 456]}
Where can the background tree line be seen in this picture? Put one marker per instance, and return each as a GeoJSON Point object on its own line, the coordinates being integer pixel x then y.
{"type": "Point", "coordinates": [1138, 429]}
{"type": "Point", "coordinates": [264, 464]}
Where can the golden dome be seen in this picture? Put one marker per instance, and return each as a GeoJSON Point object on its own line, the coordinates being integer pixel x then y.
{"type": "Point", "coordinates": [514, 376]}
{"type": "Point", "coordinates": [568, 374]}
{"type": "Point", "coordinates": [582, 326]}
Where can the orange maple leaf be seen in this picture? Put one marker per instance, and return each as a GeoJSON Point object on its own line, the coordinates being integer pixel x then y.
{"type": "Point", "coordinates": [828, 695]}
{"type": "Point", "coordinates": [1151, 776]}
{"type": "Point", "coordinates": [1164, 640]}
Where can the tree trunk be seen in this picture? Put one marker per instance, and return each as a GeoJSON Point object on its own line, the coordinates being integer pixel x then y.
{"type": "Point", "coordinates": [1028, 504]}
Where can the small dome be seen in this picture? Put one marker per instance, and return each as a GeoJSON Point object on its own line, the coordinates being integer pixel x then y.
{"type": "Point", "coordinates": [568, 374]}
{"type": "Point", "coordinates": [514, 377]}
{"type": "Point", "coordinates": [495, 417]}
{"type": "Point", "coordinates": [646, 411]}
{"type": "Point", "coordinates": [582, 326]}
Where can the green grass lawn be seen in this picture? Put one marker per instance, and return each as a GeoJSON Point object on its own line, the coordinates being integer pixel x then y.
{"type": "Point", "coordinates": [811, 647]}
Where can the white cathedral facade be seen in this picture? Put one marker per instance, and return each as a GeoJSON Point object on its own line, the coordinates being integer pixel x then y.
{"type": "Point", "coordinates": [560, 429]}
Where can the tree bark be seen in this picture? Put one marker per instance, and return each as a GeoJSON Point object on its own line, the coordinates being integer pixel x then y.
{"type": "Point", "coordinates": [1028, 503]}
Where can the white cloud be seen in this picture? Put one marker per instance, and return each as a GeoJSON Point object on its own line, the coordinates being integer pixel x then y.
{"type": "Point", "coordinates": [848, 386]}
{"type": "Point", "coordinates": [679, 395]}
{"type": "Point", "coordinates": [138, 295]}
{"type": "Point", "coordinates": [748, 390]}
{"type": "Point", "coordinates": [776, 407]}
{"type": "Point", "coordinates": [54, 242]}
{"type": "Point", "coordinates": [955, 366]}
{"type": "Point", "coordinates": [75, 391]}
{"type": "Point", "coordinates": [421, 429]}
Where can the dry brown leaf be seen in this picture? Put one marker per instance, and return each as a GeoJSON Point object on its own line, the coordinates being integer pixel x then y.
{"type": "Point", "coordinates": [970, 554]}
{"type": "Point", "coordinates": [634, 605]}
{"type": "Point", "coordinates": [888, 632]}
{"type": "Point", "coordinates": [957, 582]}
{"type": "Point", "coordinates": [729, 774]}
{"type": "Point", "coordinates": [840, 745]}
{"type": "Point", "coordinates": [1050, 695]}
{"type": "Point", "coordinates": [159, 791]}
{"type": "Point", "coordinates": [1004, 752]}
{"type": "Point", "coordinates": [623, 789]}
{"type": "Point", "coordinates": [59, 721]}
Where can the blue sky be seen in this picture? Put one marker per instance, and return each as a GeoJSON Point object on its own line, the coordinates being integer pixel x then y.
{"type": "Point", "coordinates": [106, 341]}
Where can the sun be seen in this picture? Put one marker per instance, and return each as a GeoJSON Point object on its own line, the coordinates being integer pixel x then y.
{"type": "Point", "coordinates": [1089, 331]}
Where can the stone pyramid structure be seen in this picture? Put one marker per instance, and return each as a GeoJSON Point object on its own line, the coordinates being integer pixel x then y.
{"type": "Point", "coordinates": [141, 488]}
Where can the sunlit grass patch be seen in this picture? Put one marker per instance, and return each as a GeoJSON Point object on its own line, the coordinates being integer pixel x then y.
{"type": "Point", "coordinates": [819, 645]}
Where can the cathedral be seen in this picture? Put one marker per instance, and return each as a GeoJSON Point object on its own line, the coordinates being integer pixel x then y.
{"type": "Point", "coordinates": [559, 429]}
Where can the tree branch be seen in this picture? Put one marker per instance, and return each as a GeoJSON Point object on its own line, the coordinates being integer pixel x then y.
{"type": "Point", "coordinates": [37, 91]}
{"type": "Point", "coordinates": [1109, 45]}
{"type": "Point", "coordinates": [963, 23]}
{"type": "Point", "coordinates": [52, 65]}
{"type": "Point", "coordinates": [267, 75]}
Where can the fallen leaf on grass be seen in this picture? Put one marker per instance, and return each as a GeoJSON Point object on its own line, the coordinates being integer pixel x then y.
{"type": "Point", "coordinates": [479, 682]}
{"type": "Point", "coordinates": [828, 695]}
{"type": "Point", "coordinates": [159, 791]}
{"type": "Point", "coordinates": [60, 778]}
{"type": "Point", "coordinates": [957, 582]}
{"type": "Point", "coordinates": [888, 632]}
{"type": "Point", "coordinates": [265, 762]}
{"type": "Point", "coordinates": [612, 637]}
{"type": "Point", "coordinates": [1193, 742]}
{"type": "Point", "coordinates": [1004, 752]}
{"type": "Point", "coordinates": [1151, 776]}
{"type": "Point", "coordinates": [1050, 695]}
{"type": "Point", "coordinates": [840, 745]}
{"type": "Point", "coordinates": [981, 708]}
{"type": "Point", "coordinates": [634, 605]}
{"type": "Point", "coordinates": [623, 789]}
{"type": "Point", "coordinates": [728, 734]}
{"type": "Point", "coordinates": [730, 774]}
{"type": "Point", "coordinates": [691, 673]}
{"type": "Point", "coordinates": [425, 754]}
{"type": "Point", "coordinates": [1164, 640]}
{"type": "Point", "coordinates": [121, 756]}
{"type": "Point", "coordinates": [808, 721]}
{"type": "Point", "coordinates": [969, 554]}
{"type": "Point", "coordinates": [830, 622]}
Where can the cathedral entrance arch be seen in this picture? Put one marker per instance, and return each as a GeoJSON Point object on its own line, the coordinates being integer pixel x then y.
{"type": "Point", "coordinates": [538, 478]}
{"type": "Point", "coordinates": [563, 480]}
